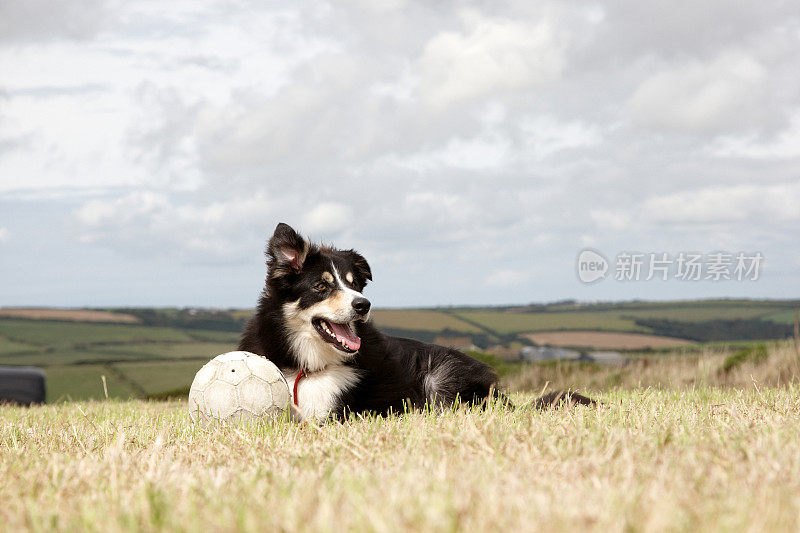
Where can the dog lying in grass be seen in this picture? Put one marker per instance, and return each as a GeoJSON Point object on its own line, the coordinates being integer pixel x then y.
{"type": "Point", "coordinates": [313, 322]}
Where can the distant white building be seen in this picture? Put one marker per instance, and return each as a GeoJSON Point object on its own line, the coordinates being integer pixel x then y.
{"type": "Point", "coordinates": [551, 353]}
{"type": "Point", "coordinates": [548, 353]}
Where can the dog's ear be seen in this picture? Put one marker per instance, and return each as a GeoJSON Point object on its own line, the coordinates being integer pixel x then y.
{"type": "Point", "coordinates": [286, 251]}
{"type": "Point", "coordinates": [361, 266]}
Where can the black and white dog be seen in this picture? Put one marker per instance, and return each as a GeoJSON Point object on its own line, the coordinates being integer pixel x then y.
{"type": "Point", "coordinates": [313, 322]}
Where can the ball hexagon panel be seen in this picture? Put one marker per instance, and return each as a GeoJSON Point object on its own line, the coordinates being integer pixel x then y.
{"type": "Point", "coordinates": [261, 366]}
{"type": "Point", "coordinates": [255, 395]}
{"type": "Point", "coordinates": [205, 375]}
{"type": "Point", "coordinates": [280, 393]}
{"type": "Point", "coordinates": [221, 399]}
{"type": "Point", "coordinates": [233, 372]}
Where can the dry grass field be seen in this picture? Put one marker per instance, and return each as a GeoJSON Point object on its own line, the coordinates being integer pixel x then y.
{"type": "Point", "coordinates": [73, 315]}
{"type": "Point", "coordinates": [703, 442]}
{"type": "Point", "coordinates": [604, 340]}
{"type": "Point", "coordinates": [702, 459]}
{"type": "Point", "coordinates": [774, 364]}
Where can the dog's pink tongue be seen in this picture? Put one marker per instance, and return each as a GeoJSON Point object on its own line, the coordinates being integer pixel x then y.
{"type": "Point", "coordinates": [344, 333]}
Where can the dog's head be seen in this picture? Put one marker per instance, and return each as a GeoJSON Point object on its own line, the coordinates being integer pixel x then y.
{"type": "Point", "coordinates": [320, 291]}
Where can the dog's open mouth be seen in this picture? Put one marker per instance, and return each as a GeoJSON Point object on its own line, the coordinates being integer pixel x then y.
{"type": "Point", "coordinates": [340, 335]}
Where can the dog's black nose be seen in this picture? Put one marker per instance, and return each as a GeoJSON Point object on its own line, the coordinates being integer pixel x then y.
{"type": "Point", "coordinates": [361, 305]}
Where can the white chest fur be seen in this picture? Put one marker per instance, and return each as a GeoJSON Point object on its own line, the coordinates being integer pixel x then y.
{"type": "Point", "coordinates": [318, 392]}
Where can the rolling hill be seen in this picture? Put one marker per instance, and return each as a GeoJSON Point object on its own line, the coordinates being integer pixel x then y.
{"type": "Point", "coordinates": [154, 353]}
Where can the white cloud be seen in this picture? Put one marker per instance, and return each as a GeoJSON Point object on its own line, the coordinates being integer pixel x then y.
{"type": "Point", "coordinates": [700, 97]}
{"type": "Point", "coordinates": [546, 135]}
{"type": "Point", "coordinates": [756, 204]}
{"type": "Point", "coordinates": [328, 217]}
{"type": "Point", "coordinates": [73, 19]}
{"type": "Point", "coordinates": [494, 149]}
{"type": "Point", "coordinates": [610, 219]}
{"type": "Point", "coordinates": [784, 145]}
{"type": "Point", "coordinates": [121, 110]}
{"type": "Point", "coordinates": [490, 56]}
{"type": "Point", "coordinates": [507, 277]}
{"type": "Point", "coordinates": [102, 213]}
{"type": "Point", "coordinates": [155, 221]}
{"type": "Point", "coordinates": [5, 235]}
{"type": "Point", "coordinates": [468, 154]}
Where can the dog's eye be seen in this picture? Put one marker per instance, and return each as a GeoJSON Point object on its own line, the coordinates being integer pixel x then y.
{"type": "Point", "coordinates": [321, 286]}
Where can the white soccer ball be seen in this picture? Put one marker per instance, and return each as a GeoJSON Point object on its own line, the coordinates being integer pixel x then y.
{"type": "Point", "coordinates": [238, 386]}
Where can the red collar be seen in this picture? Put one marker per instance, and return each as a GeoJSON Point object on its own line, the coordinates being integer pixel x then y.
{"type": "Point", "coordinates": [300, 375]}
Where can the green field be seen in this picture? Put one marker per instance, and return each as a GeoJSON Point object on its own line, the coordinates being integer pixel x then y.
{"type": "Point", "coordinates": [181, 350]}
{"type": "Point", "coordinates": [8, 346]}
{"type": "Point", "coordinates": [161, 377]}
{"type": "Point", "coordinates": [421, 320]}
{"type": "Point", "coordinates": [79, 382]}
{"type": "Point", "coordinates": [506, 322]}
{"type": "Point", "coordinates": [700, 313]}
{"type": "Point", "coordinates": [711, 306]}
{"type": "Point", "coordinates": [61, 334]}
{"type": "Point", "coordinates": [622, 317]}
{"type": "Point", "coordinates": [785, 317]}
{"type": "Point", "coordinates": [70, 356]}
{"type": "Point", "coordinates": [214, 336]}
{"type": "Point", "coordinates": [161, 354]}
{"type": "Point", "coordinates": [136, 360]}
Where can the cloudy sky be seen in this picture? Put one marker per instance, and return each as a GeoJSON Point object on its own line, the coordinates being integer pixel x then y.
{"type": "Point", "coordinates": [470, 150]}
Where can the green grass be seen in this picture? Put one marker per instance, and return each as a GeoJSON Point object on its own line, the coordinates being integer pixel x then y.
{"type": "Point", "coordinates": [70, 356]}
{"type": "Point", "coordinates": [8, 346]}
{"type": "Point", "coordinates": [242, 313]}
{"type": "Point", "coordinates": [421, 320]}
{"type": "Point", "coordinates": [752, 354]}
{"type": "Point", "coordinates": [155, 377]}
{"type": "Point", "coordinates": [501, 367]}
{"type": "Point", "coordinates": [214, 336]}
{"type": "Point", "coordinates": [782, 317]}
{"type": "Point", "coordinates": [693, 306]}
{"type": "Point", "coordinates": [621, 317]}
{"type": "Point", "coordinates": [61, 334]}
{"type": "Point", "coordinates": [81, 382]}
{"type": "Point", "coordinates": [504, 323]}
{"type": "Point", "coordinates": [195, 350]}
{"type": "Point", "coordinates": [713, 345]}
{"type": "Point", "coordinates": [648, 460]}
{"type": "Point", "coordinates": [700, 313]}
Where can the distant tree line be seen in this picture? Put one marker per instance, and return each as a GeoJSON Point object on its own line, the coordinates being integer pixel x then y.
{"type": "Point", "coordinates": [190, 318]}
{"type": "Point", "coordinates": [718, 330]}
